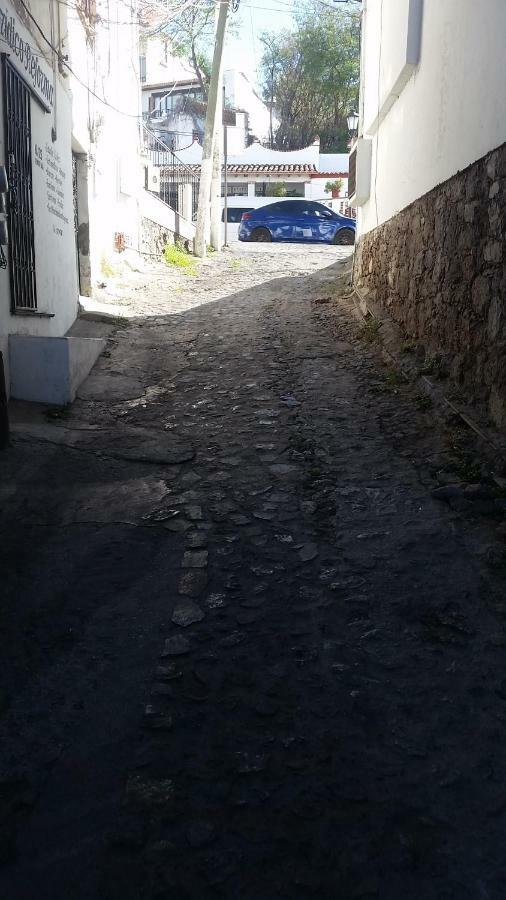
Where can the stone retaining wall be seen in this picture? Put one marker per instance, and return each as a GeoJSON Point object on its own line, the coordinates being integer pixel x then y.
{"type": "Point", "coordinates": [438, 268]}
{"type": "Point", "coordinates": [154, 238]}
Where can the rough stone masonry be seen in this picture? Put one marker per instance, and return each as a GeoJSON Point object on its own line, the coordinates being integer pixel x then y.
{"type": "Point", "coordinates": [438, 269]}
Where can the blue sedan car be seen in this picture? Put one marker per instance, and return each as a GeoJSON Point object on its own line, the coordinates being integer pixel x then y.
{"type": "Point", "coordinates": [297, 220]}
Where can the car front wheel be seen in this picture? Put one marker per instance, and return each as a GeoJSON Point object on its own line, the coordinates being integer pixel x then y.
{"type": "Point", "coordinates": [345, 236]}
{"type": "Point", "coordinates": [261, 235]}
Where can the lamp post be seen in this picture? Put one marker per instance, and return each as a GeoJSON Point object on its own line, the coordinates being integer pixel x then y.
{"type": "Point", "coordinates": [352, 120]}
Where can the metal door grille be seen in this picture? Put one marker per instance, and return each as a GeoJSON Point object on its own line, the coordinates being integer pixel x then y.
{"type": "Point", "coordinates": [76, 216]}
{"type": "Point", "coordinates": [17, 118]}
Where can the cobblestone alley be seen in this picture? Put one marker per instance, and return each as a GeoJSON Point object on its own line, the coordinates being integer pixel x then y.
{"type": "Point", "coordinates": [253, 647]}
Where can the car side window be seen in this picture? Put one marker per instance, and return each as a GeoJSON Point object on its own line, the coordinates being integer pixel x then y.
{"type": "Point", "coordinates": [234, 213]}
{"type": "Point", "coordinates": [299, 208]}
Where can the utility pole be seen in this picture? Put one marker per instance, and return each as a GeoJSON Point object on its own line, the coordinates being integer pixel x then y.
{"type": "Point", "coordinates": [210, 129]}
{"type": "Point", "coordinates": [216, 176]}
{"type": "Point", "coordinates": [225, 175]}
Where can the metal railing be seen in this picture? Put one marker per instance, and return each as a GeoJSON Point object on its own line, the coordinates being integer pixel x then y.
{"type": "Point", "coordinates": [174, 174]}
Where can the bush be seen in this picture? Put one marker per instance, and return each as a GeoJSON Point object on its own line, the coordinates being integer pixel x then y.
{"type": "Point", "coordinates": [177, 256]}
{"type": "Point", "coordinates": [277, 189]}
{"type": "Point", "coordinates": [334, 187]}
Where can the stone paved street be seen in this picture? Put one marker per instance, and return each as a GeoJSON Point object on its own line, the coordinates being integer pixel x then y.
{"type": "Point", "coordinates": [253, 647]}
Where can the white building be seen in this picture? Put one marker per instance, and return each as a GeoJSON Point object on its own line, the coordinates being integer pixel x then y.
{"type": "Point", "coordinates": [241, 94]}
{"type": "Point", "coordinates": [70, 142]}
{"type": "Point", "coordinates": [39, 286]}
{"type": "Point", "coordinates": [173, 100]}
{"type": "Point", "coordinates": [428, 175]}
{"type": "Point", "coordinates": [259, 172]}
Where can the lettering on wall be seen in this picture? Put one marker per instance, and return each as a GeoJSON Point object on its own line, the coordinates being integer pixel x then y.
{"type": "Point", "coordinates": [27, 56]}
{"type": "Point", "coordinates": [49, 161]}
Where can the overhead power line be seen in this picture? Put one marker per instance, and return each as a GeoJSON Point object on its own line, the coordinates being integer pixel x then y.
{"type": "Point", "coordinates": [79, 80]}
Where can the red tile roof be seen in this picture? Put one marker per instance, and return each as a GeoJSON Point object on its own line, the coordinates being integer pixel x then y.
{"type": "Point", "coordinates": [329, 175]}
{"type": "Point", "coordinates": [264, 169]}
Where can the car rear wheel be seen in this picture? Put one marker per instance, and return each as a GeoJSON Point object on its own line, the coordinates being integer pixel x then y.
{"type": "Point", "coordinates": [261, 235]}
{"type": "Point", "coordinates": [345, 236]}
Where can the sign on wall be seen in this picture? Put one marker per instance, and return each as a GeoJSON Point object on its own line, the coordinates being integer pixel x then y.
{"type": "Point", "coordinates": [27, 58]}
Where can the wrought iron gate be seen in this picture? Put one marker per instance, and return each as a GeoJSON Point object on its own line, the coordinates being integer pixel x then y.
{"type": "Point", "coordinates": [18, 154]}
{"type": "Point", "coordinates": [76, 216]}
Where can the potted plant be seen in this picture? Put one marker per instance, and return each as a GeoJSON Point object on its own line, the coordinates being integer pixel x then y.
{"type": "Point", "coordinates": [334, 188]}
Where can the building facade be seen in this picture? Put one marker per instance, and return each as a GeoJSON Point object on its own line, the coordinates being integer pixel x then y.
{"type": "Point", "coordinates": [39, 284]}
{"type": "Point", "coordinates": [260, 173]}
{"type": "Point", "coordinates": [174, 105]}
{"type": "Point", "coordinates": [72, 149]}
{"type": "Point", "coordinates": [429, 176]}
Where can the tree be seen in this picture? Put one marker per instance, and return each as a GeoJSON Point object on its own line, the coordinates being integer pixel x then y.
{"type": "Point", "coordinates": [276, 189]}
{"type": "Point", "coordinates": [310, 76]}
{"type": "Point", "coordinates": [272, 62]}
{"type": "Point", "coordinates": [190, 35]}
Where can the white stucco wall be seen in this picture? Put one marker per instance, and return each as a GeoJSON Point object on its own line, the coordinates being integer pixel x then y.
{"type": "Point", "coordinates": [161, 67]}
{"type": "Point", "coordinates": [53, 216]}
{"type": "Point", "coordinates": [108, 132]}
{"type": "Point", "coordinates": [241, 94]}
{"type": "Point", "coordinates": [450, 112]}
{"type": "Point", "coordinates": [318, 192]}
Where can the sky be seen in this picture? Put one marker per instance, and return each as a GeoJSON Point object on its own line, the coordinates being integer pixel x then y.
{"type": "Point", "coordinates": [244, 50]}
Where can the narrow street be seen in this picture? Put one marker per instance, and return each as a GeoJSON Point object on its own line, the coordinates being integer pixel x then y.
{"type": "Point", "coordinates": [250, 649]}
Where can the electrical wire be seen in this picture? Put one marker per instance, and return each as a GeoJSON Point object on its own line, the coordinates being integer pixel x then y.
{"type": "Point", "coordinates": [79, 80]}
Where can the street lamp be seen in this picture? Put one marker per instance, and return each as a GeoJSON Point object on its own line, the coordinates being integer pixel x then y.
{"type": "Point", "coordinates": [352, 120]}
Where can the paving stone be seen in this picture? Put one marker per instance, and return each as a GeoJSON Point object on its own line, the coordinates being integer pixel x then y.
{"type": "Point", "coordinates": [308, 552]}
{"type": "Point", "coordinates": [151, 792]}
{"type": "Point", "coordinates": [283, 470]}
{"type": "Point", "coordinates": [157, 720]}
{"type": "Point", "coordinates": [192, 583]}
{"type": "Point", "coordinates": [186, 613]}
{"type": "Point", "coordinates": [178, 526]}
{"type": "Point", "coordinates": [196, 540]}
{"type": "Point", "coordinates": [195, 559]}
{"type": "Point", "coordinates": [177, 645]}
{"type": "Point", "coordinates": [239, 519]}
{"type": "Point", "coordinates": [231, 640]}
{"type": "Point", "coordinates": [168, 672]}
{"type": "Point", "coordinates": [216, 600]}
{"type": "Point", "coordinates": [194, 513]}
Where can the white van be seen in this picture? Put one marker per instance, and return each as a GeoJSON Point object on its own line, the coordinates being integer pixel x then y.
{"type": "Point", "coordinates": [234, 214]}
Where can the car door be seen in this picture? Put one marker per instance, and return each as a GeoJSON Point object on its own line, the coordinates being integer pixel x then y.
{"type": "Point", "coordinates": [303, 225]}
{"type": "Point", "coordinates": [315, 222]}
{"type": "Point", "coordinates": [323, 223]}
{"type": "Point", "coordinates": [279, 219]}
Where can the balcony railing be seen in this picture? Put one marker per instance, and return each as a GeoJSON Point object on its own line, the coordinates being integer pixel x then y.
{"type": "Point", "coordinates": [174, 174]}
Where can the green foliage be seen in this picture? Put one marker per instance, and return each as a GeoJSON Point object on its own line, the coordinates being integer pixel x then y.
{"type": "Point", "coordinates": [179, 258]}
{"type": "Point", "coordinates": [334, 186]}
{"type": "Point", "coordinates": [189, 35]}
{"type": "Point", "coordinates": [310, 76]}
{"type": "Point", "coordinates": [276, 189]}
{"type": "Point", "coordinates": [108, 271]}
{"type": "Point", "coordinates": [370, 331]}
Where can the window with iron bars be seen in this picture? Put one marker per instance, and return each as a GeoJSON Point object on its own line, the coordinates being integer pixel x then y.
{"type": "Point", "coordinates": [234, 190]}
